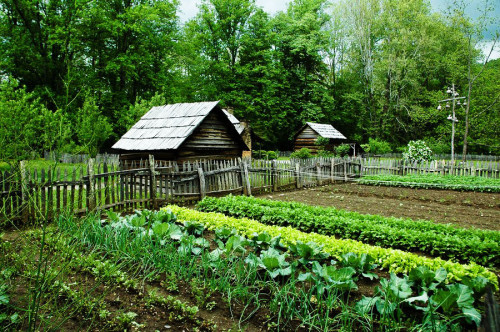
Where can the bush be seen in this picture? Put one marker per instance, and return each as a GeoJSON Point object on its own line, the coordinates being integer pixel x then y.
{"type": "Point", "coordinates": [271, 155]}
{"type": "Point", "coordinates": [417, 151]}
{"type": "Point", "coordinates": [342, 150]}
{"type": "Point", "coordinates": [324, 154]}
{"type": "Point", "coordinates": [378, 146]}
{"type": "Point", "coordinates": [303, 153]}
{"type": "Point", "coordinates": [322, 141]}
{"type": "Point", "coordinates": [263, 154]}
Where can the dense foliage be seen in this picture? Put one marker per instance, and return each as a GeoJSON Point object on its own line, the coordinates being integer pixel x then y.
{"type": "Point", "coordinates": [373, 68]}
{"type": "Point", "coordinates": [448, 182]}
{"type": "Point", "coordinates": [417, 152]}
{"type": "Point", "coordinates": [466, 245]}
{"type": "Point", "coordinates": [394, 260]}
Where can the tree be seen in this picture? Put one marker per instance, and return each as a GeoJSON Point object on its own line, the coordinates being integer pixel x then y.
{"type": "Point", "coordinates": [474, 33]}
{"type": "Point", "coordinates": [27, 127]}
{"type": "Point", "coordinates": [93, 128]}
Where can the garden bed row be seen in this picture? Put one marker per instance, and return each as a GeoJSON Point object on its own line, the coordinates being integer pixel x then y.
{"type": "Point", "coordinates": [434, 181]}
{"type": "Point", "coordinates": [446, 241]}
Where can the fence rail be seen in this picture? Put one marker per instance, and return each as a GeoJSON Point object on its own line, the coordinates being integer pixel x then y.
{"type": "Point", "coordinates": [47, 192]}
{"type": "Point", "coordinates": [29, 193]}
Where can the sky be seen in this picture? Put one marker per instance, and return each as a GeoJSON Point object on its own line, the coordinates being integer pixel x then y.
{"type": "Point", "coordinates": [188, 9]}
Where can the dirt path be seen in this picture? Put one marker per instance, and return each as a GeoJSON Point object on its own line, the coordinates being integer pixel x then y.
{"type": "Point", "coordinates": [465, 209]}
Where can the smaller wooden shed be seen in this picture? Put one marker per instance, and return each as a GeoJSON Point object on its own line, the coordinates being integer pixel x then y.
{"type": "Point", "coordinates": [307, 135]}
{"type": "Point", "coordinates": [180, 132]}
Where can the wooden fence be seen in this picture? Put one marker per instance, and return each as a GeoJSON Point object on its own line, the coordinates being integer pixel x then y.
{"type": "Point", "coordinates": [374, 166]}
{"type": "Point", "coordinates": [48, 192]}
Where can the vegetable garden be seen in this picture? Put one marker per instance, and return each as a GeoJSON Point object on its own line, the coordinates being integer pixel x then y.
{"type": "Point", "coordinates": [179, 268]}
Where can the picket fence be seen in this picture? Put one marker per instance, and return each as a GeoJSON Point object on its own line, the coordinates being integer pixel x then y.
{"type": "Point", "coordinates": [44, 193]}
{"type": "Point", "coordinates": [32, 193]}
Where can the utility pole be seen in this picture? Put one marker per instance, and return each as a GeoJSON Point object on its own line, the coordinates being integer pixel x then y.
{"type": "Point", "coordinates": [455, 100]}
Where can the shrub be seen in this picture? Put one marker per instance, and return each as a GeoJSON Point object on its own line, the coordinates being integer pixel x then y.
{"type": "Point", "coordinates": [417, 151]}
{"type": "Point", "coordinates": [379, 146]}
{"type": "Point", "coordinates": [322, 141]}
{"type": "Point", "coordinates": [271, 155]}
{"type": "Point", "coordinates": [303, 153]}
{"type": "Point", "coordinates": [342, 150]}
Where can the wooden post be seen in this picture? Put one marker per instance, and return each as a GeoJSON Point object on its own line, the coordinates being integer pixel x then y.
{"type": "Point", "coordinates": [203, 189]}
{"type": "Point", "coordinates": [245, 179]}
{"type": "Point", "coordinates": [24, 191]}
{"type": "Point", "coordinates": [297, 175]}
{"type": "Point", "coordinates": [152, 182]}
{"type": "Point", "coordinates": [90, 186]}
{"type": "Point", "coordinates": [318, 173]}
{"type": "Point", "coordinates": [275, 175]}
{"type": "Point", "coordinates": [345, 170]}
{"type": "Point", "coordinates": [360, 167]}
{"type": "Point", "coordinates": [332, 167]}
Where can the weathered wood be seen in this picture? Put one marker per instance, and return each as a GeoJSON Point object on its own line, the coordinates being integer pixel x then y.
{"type": "Point", "coordinates": [65, 192]}
{"type": "Point", "coordinates": [73, 189]}
{"type": "Point", "coordinates": [318, 174]}
{"type": "Point", "coordinates": [298, 176]}
{"type": "Point", "coordinates": [50, 195]}
{"type": "Point", "coordinates": [106, 185]}
{"type": "Point", "coordinates": [203, 189]}
{"type": "Point", "coordinates": [80, 190]}
{"type": "Point", "coordinates": [152, 182]}
{"type": "Point", "coordinates": [24, 191]}
{"type": "Point", "coordinates": [245, 179]}
{"type": "Point", "coordinates": [91, 199]}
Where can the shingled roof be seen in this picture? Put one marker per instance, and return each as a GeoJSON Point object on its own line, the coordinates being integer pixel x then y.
{"type": "Point", "coordinates": [326, 130]}
{"type": "Point", "coordinates": [239, 127]}
{"type": "Point", "coordinates": [166, 127]}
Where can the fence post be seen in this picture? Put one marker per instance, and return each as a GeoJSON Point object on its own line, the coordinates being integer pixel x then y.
{"type": "Point", "coordinates": [91, 204]}
{"type": "Point", "coordinates": [275, 175]}
{"type": "Point", "coordinates": [360, 167]}
{"type": "Point", "coordinates": [245, 179]}
{"type": "Point", "coordinates": [332, 166]}
{"type": "Point", "coordinates": [203, 189]}
{"type": "Point", "coordinates": [318, 173]}
{"type": "Point", "coordinates": [345, 170]}
{"type": "Point", "coordinates": [152, 182]}
{"type": "Point", "coordinates": [297, 175]}
{"type": "Point", "coordinates": [25, 201]}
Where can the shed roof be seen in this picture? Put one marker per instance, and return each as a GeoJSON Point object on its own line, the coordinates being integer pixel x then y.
{"type": "Point", "coordinates": [326, 130]}
{"type": "Point", "coordinates": [165, 127]}
{"type": "Point", "coordinates": [239, 127]}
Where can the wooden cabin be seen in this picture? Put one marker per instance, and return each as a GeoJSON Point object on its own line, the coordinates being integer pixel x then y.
{"type": "Point", "coordinates": [182, 132]}
{"type": "Point", "coordinates": [306, 137]}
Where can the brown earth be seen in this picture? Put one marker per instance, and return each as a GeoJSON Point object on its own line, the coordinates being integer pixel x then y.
{"type": "Point", "coordinates": [464, 209]}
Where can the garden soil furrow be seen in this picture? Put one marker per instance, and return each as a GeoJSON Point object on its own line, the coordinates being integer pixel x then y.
{"type": "Point", "coordinates": [464, 209]}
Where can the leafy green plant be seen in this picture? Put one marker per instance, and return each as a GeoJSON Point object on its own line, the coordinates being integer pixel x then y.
{"type": "Point", "coordinates": [272, 261]}
{"type": "Point", "coordinates": [417, 152]}
{"type": "Point", "coordinates": [395, 260]}
{"type": "Point", "coordinates": [328, 277]}
{"type": "Point", "coordinates": [342, 150]}
{"type": "Point", "coordinates": [308, 252]}
{"type": "Point", "coordinates": [466, 245]}
{"type": "Point", "coordinates": [363, 264]}
{"type": "Point", "coordinates": [426, 181]}
{"type": "Point", "coordinates": [303, 153]}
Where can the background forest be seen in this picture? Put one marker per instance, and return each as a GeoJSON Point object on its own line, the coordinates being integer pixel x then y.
{"type": "Point", "coordinates": [75, 75]}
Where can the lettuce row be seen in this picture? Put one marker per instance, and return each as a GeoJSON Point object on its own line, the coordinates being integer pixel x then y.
{"type": "Point", "coordinates": [434, 181]}
{"type": "Point", "coordinates": [394, 260]}
{"type": "Point", "coordinates": [465, 245]}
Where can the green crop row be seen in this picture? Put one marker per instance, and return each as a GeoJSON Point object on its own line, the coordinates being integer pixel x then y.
{"type": "Point", "coordinates": [464, 245]}
{"type": "Point", "coordinates": [394, 260]}
{"type": "Point", "coordinates": [430, 181]}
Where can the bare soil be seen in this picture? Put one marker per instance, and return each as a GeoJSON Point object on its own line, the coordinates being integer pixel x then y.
{"type": "Point", "coordinates": [464, 209]}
